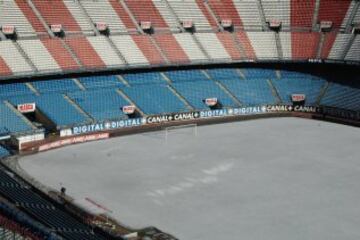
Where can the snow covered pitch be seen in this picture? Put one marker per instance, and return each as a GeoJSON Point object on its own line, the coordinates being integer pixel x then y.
{"type": "Point", "coordinates": [271, 179]}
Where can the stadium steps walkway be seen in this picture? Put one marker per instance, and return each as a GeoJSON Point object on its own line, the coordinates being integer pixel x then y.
{"type": "Point", "coordinates": [316, 15]}
{"type": "Point", "coordinates": [201, 46]}
{"type": "Point", "coordinates": [262, 14]}
{"type": "Point", "coordinates": [91, 23]}
{"type": "Point", "coordinates": [212, 14]}
{"type": "Point", "coordinates": [278, 74]}
{"type": "Point", "coordinates": [158, 48]}
{"type": "Point", "coordinates": [348, 46]}
{"type": "Point", "coordinates": [116, 50]}
{"type": "Point", "coordinates": [71, 52]}
{"type": "Point", "coordinates": [133, 19]}
{"type": "Point", "coordinates": [239, 45]}
{"type": "Point", "coordinates": [356, 8]}
{"type": "Point", "coordinates": [278, 46]}
{"type": "Point", "coordinates": [25, 56]}
{"type": "Point", "coordinates": [320, 45]}
{"type": "Point", "coordinates": [27, 121]}
{"type": "Point", "coordinates": [123, 95]}
{"type": "Point", "coordinates": [323, 90]}
{"type": "Point", "coordinates": [122, 80]}
{"type": "Point", "coordinates": [78, 108]}
{"type": "Point", "coordinates": [174, 14]}
{"type": "Point", "coordinates": [41, 19]}
{"type": "Point", "coordinates": [241, 74]}
{"type": "Point", "coordinates": [32, 88]}
{"type": "Point", "coordinates": [274, 92]}
{"type": "Point", "coordinates": [79, 84]}
{"type": "Point", "coordinates": [181, 98]}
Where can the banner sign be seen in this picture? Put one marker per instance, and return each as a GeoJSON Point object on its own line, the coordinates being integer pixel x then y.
{"type": "Point", "coordinates": [8, 29]}
{"type": "Point", "coordinates": [103, 126]}
{"type": "Point", "coordinates": [289, 108]}
{"type": "Point", "coordinates": [172, 117]}
{"type": "Point", "coordinates": [341, 113]}
{"type": "Point", "coordinates": [73, 140]}
{"type": "Point", "coordinates": [298, 97]}
{"type": "Point", "coordinates": [232, 112]}
{"type": "Point", "coordinates": [26, 107]}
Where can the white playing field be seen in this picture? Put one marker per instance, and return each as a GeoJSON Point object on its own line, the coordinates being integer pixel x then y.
{"type": "Point", "coordinates": [268, 179]}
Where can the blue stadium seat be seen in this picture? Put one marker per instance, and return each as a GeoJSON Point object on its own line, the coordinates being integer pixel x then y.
{"type": "Point", "coordinates": [259, 73]}
{"type": "Point", "coordinates": [251, 92]}
{"type": "Point", "coordinates": [10, 122]}
{"type": "Point", "coordinates": [342, 97]}
{"type": "Point", "coordinates": [195, 92]}
{"type": "Point", "coordinates": [186, 75]}
{"type": "Point", "coordinates": [4, 152]}
{"type": "Point", "coordinates": [100, 82]}
{"type": "Point", "coordinates": [14, 89]}
{"type": "Point", "coordinates": [55, 107]}
{"type": "Point", "coordinates": [144, 78]}
{"type": "Point", "coordinates": [309, 86]}
{"type": "Point", "coordinates": [155, 99]}
{"type": "Point", "coordinates": [60, 86]}
{"type": "Point", "coordinates": [223, 73]}
{"type": "Point", "coordinates": [101, 104]}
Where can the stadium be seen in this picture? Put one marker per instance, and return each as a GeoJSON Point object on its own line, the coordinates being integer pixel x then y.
{"type": "Point", "coordinates": [179, 119]}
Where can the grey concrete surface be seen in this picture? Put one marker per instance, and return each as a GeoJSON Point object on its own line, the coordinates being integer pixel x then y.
{"type": "Point", "coordinates": [273, 179]}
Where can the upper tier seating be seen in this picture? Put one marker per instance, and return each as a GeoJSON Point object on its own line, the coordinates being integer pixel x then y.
{"type": "Point", "coordinates": [334, 11]}
{"type": "Point", "coordinates": [13, 58]}
{"type": "Point", "coordinates": [155, 99]}
{"type": "Point", "coordinates": [339, 46]}
{"type": "Point", "coordinates": [249, 13]}
{"type": "Point", "coordinates": [302, 13]}
{"type": "Point", "coordinates": [171, 48]}
{"type": "Point", "coordinates": [286, 86]}
{"type": "Point", "coordinates": [11, 121]}
{"type": "Point", "coordinates": [277, 10]}
{"type": "Point", "coordinates": [167, 14]}
{"type": "Point", "coordinates": [230, 44]}
{"type": "Point", "coordinates": [212, 46]}
{"type": "Point", "coordinates": [342, 96]}
{"type": "Point", "coordinates": [190, 47]}
{"type": "Point", "coordinates": [102, 11]}
{"type": "Point", "coordinates": [264, 44]}
{"type": "Point", "coordinates": [188, 10]}
{"type": "Point", "coordinates": [285, 39]}
{"type": "Point", "coordinates": [226, 10]}
{"type": "Point", "coordinates": [101, 104]}
{"type": "Point", "coordinates": [197, 91]}
{"type": "Point", "coordinates": [50, 104]}
{"type": "Point", "coordinates": [354, 51]}
{"type": "Point", "coordinates": [186, 75]}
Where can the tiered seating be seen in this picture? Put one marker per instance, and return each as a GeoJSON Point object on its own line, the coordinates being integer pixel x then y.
{"type": "Point", "coordinates": [31, 16]}
{"type": "Point", "coordinates": [225, 10]}
{"type": "Point", "coordinates": [339, 46]}
{"type": "Point", "coordinates": [148, 49]}
{"type": "Point", "coordinates": [188, 10]}
{"type": "Point", "coordinates": [342, 97]}
{"type": "Point", "coordinates": [230, 45]}
{"type": "Point", "coordinates": [196, 92]}
{"type": "Point", "coordinates": [60, 53]}
{"type": "Point", "coordinates": [39, 55]}
{"type": "Point", "coordinates": [155, 99]}
{"type": "Point", "coordinates": [243, 39]}
{"type": "Point", "coordinates": [328, 42]}
{"type": "Point", "coordinates": [60, 86]}
{"type": "Point", "coordinates": [145, 10]}
{"type": "Point", "coordinates": [354, 51]}
{"type": "Point", "coordinates": [80, 17]}
{"type": "Point", "coordinates": [50, 105]}
{"type": "Point", "coordinates": [4, 68]}
{"type": "Point", "coordinates": [190, 47]}
{"type": "Point", "coordinates": [11, 14]}
{"type": "Point", "coordinates": [212, 46]}
{"type": "Point", "coordinates": [43, 210]}
{"type": "Point", "coordinates": [264, 44]}
{"type": "Point", "coordinates": [277, 10]}
{"type": "Point", "coordinates": [13, 90]}
{"type": "Point", "coordinates": [13, 58]}
{"type": "Point", "coordinates": [166, 14]}
{"type": "Point", "coordinates": [101, 104]}
{"type": "Point", "coordinates": [223, 73]}
{"type": "Point", "coordinates": [144, 78]}
{"type": "Point", "coordinates": [56, 12]}
{"type": "Point", "coordinates": [100, 82]}
{"type": "Point", "coordinates": [357, 17]}
{"type": "Point", "coordinates": [304, 45]}
{"type": "Point", "coordinates": [286, 86]}
{"type": "Point", "coordinates": [85, 52]}
{"type": "Point", "coordinates": [122, 13]}
{"type": "Point", "coordinates": [105, 51]}
{"type": "Point", "coordinates": [11, 122]}
{"type": "Point", "coordinates": [129, 50]}
{"type": "Point", "coordinates": [302, 13]}
{"type": "Point", "coordinates": [249, 13]}
{"type": "Point", "coordinates": [186, 75]}
{"type": "Point", "coordinates": [171, 48]}
{"type": "Point", "coordinates": [334, 11]}
{"type": "Point", "coordinates": [285, 39]}
{"type": "Point", "coordinates": [205, 10]}
{"type": "Point", "coordinates": [259, 73]}
{"type": "Point", "coordinates": [251, 92]}
{"type": "Point", "coordinates": [102, 11]}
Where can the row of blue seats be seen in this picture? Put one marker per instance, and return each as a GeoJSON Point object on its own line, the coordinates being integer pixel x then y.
{"type": "Point", "coordinates": [156, 93]}
{"type": "Point", "coordinates": [4, 152]}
